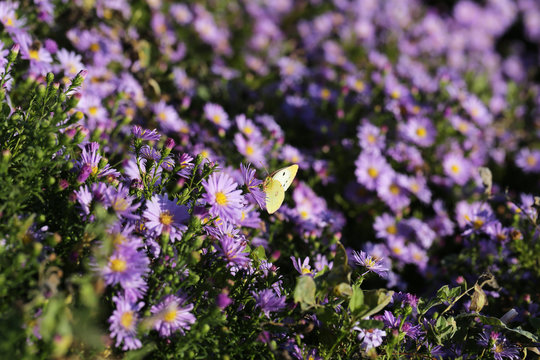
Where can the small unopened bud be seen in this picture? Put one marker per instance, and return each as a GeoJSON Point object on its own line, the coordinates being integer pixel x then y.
{"type": "Point", "coordinates": [14, 52]}
{"type": "Point", "coordinates": [50, 77]}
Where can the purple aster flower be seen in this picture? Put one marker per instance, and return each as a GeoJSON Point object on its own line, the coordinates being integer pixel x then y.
{"type": "Point", "coordinates": [498, 345]}
{"type": "Point", "coordinates": [185, 161]}
{"type": "Point", "coordinates": [121, 202]}
{"type": "Point", "coordinates": [371, 338]}
{"type": "Point", "coordinates": [150, 153]}
{"type": "Point", "coordinates": [233, 251]}
{"type": "Point", "coordinates": [268, 301]}
{"type": "Point", "coordinates": [291, 70]}
{"type": "Point", "coordinates": [217, 115]}
{"type": "Point", "coordinates": [165, 216]}
{"type": "Point", "coordinates": [226, 202]}
{"type": "Point", "coordinates": [223, 300]}
{"type": "Point", "coordinates": [168, 118]}
{"type": "Point", "coordinates": [321, 262]}
{"type": "Point", "coordinates": [70, 62]}
{"type": "Point", "coordinates": [251, 148]}
{"type": "Point", "coordinates": [90, 156]}
{"type": "Point", "coordinates": [302, 267]}
{"type": "Point", "coordinates": [385, 226]}
{"type": "Point", "coordinates": [255, 194]}
{"type": "Point", "coordinates": [391, 190]}
{"type": "Point", "coordinates": [528, 160]}
{"type": "Point", "coordinates": [370, 137]}
{"type": "Point", "coordinates": [124, 322]}
{"type": "Point", "coordinates": [172, 315]}
{"type": "Point", "coordinates": [144, 134]}
{"type": "Point", "coordinates": [369, 167]}
{"type": "Point", "coordinates": [457, 168]}
{"type": "Point", "coordinates": [84, 198]}
{"type": "Point", "coordinates": [372, 264]}
{"type": "Point", "coordinates": [420, 131]}
{"type": "Point", "coordinates": [247, 127]}
{"type": "Point", "coordinates": [477, 110]}
{"type": "Point", "coordinates": [126, 266]}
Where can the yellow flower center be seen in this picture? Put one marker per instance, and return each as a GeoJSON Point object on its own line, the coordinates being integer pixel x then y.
{"type": "Point", "coordinates": [127, 319]}
{"type": "Point", "coordinates": [305, 270]}
{"type": "Point", "coordinates": [118, 239]}
{"type": "Point", "coordinates": [94, 47]}
{"type": "Point", "coordinates": [170, 315]}
{"type": "Point", "coordinates": [92, 110]}
{"type": "Point", "coordinates": [325, 94]}
{"type": "Point", "coordinates": [248, 130]}
{"type": "Point", "coordinates": [396, 94]}
{"type": "Point", "coordinates": [394, 189]}
{"type": "Point", "coordinates": [478, 223]}
{"type": "Point", "coordinates": [120, 204]}
{"type": "Point", "coordinates": [396, 250]}
{"type": "Point", "coordinates": [165, 218]}
{"type": "Point", "coordinates": [421, 132]}
{"type": "Point", "coordinates": [304, 214]}
{"type": "Point", "coordinates": [249, 150]}
{"type": "Point", "coordinates": [216, 118]}
{"type": "Point", "coordinates": [118, 265]}
{"type": "Point", "coordinates": [359, 85]}
{"type": "Point", "coordinates": [94, 170]}
{"type": "Point", "coordinates": [373, 172]}
{"type": "Point", "coordinates": [34, 54]}
{"type": "Point", "coordinates": [475, 112]}
{"type": "Point", "coordinates": [531, 160]}
{"type": "Point", "coordinates": [455, 169]}
{"type": "Point", "coordinates": [162, 116]}
{"type": "Point", "coordinates": [295, 159]}
{"type": "Point", "coordinates": [9, 21]}
{"type": "Point", "coordinates": [463, 127]}
{"type": "Point", "coordinates": [392, 229]}
{"type": "Point", "coordinates": [371, 139]}
{"type": "Point", "coordinates": [221, 198]}
{"type": "Point", "coordinates": [243, 216]}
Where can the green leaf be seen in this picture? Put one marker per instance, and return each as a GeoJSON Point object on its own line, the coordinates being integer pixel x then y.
{"type": "Point", "coordinates": [493, 321]}
{"type": "Point", "coordinates": [357, 299]}
{"type": "Point", "coordinates": [304, 292]}
{"type": "Point", "coordinates": [375, 300]}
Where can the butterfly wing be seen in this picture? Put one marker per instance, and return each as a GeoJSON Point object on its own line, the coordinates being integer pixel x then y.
{"type": "Point", "coordinates": [285, 176]}
{"type": "Point", "coordinates": [274, 195]}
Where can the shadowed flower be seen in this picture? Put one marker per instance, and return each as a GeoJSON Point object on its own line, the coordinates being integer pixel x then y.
{"type": "Point", "coordinates": [302, 267]}
{"type": "Point", "coordinates": [268, 301]}
{"type": "Point", "coordinates": [498, 345]}
{"type": "Point", "coordinates": [371, 338]}
{"type": "Point", "coordinates": [255, 194]}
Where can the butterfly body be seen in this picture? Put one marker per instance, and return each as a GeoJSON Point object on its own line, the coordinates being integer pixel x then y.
{"type": "Point", "coordinates": [275, 186]}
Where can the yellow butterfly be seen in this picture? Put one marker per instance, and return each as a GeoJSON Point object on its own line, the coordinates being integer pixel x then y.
{"type": "Point", "coordinates": [275, 186]}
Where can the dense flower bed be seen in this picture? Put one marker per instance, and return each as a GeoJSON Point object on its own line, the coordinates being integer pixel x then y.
{"type": "Point", "coordinates": [136, 137]}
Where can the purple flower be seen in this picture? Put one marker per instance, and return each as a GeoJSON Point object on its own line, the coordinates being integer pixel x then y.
{"type": "Point", "coordinates": [369, 168]}
{"type": "Point", "coordinates": [385, 226]}
{"type": "Point", "coordinates": [268, 301]}
{"type": "Point", "coordinates": [420, 131]}
{"type": "Point", "coordinates": [372, 264]}
{"type": "Point", "coordinates": [126, 266]}
{"type": "Point", "coordinates": [498, 345]}
{"type": "Point", "coordinates": [255, 194]}
{"type": "Point", "coordinates": [302, 267]}
{"type": "Point", "coordinates": [172, 315]}
{"type": "Point", "coordinates": [528, 160]}
{"type": "Point", "coordinates": [233, 251]}
{"type": "Point", "coordinates": [144, 134]}
{"type": "Point", "coordinates": [457, 168]}
{"type": "Point", "coordinates": [90, 156]}
{"type": "Point", "coordinates": [124, 322]}
{"type": "Point", "coordinates": [185, 161]}
{"type": "Point", "coordinates": [251, 148]}
{"type": "Point", "coordinates": [168, 118]}
{"type": "Point", "coordinates": [390, 189]}
{"type": "Point", "coordinates": [226, 202]}
{"type": "Point", "coordinates": [248, 127]}
{"type": "Point", "coordinates": [121, 202]}
{"type": "Point", "coordinates": [149, 153]}
{"type": "Point", "coordinates": [217, 115]}
{"type": "Point", "coordinates": [165, 216]}
{"type": "Point", "coordinates": [371, 338]}
{"type": "Point", "coordinates": [370, 137]}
